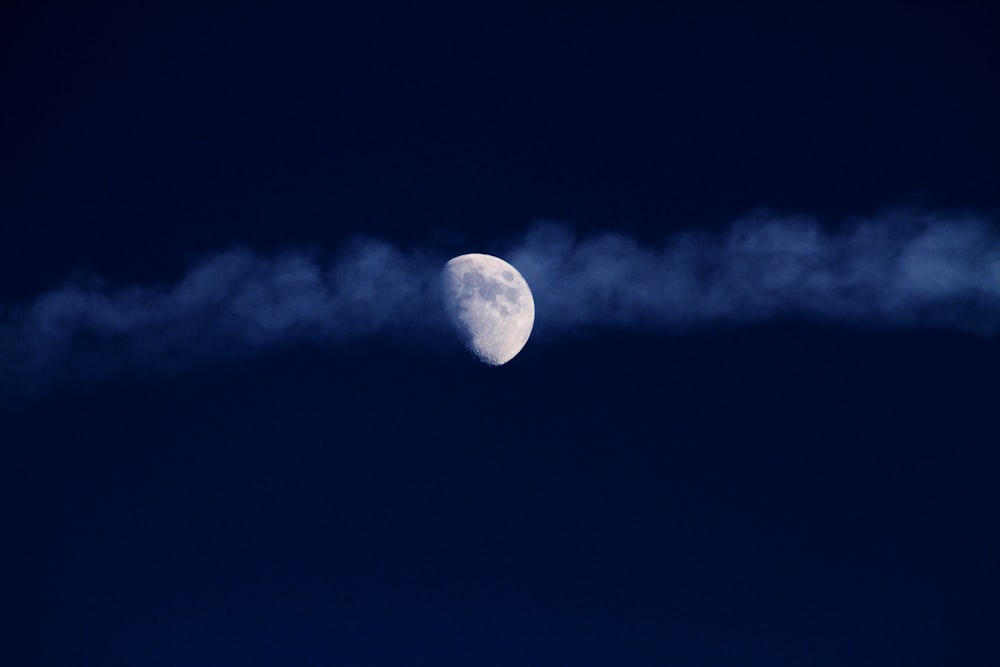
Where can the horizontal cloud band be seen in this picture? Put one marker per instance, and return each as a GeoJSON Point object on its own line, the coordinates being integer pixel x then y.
{"type": "Point", "coordinates": [893, 270]}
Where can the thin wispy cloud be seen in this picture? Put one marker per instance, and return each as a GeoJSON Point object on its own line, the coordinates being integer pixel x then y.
{"type": "Point", "coordinates": [893, 270]}
{"type": "Point", "coordinates": [228, 305]}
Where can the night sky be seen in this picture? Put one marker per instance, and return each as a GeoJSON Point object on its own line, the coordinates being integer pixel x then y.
{"type": "Point", "coordinates": [757, 422]}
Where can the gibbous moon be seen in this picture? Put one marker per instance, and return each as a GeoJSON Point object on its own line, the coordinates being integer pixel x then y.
{"type": "Point", "coordinates": [490, 304]}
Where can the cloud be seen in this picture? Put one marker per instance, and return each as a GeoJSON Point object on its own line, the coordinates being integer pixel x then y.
{"type": "Point", "coordinates": [228, 305]}
{"type": "Point", "coordinates": [893, 270]}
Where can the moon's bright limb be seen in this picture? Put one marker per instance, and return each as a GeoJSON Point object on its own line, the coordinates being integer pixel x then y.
{"type": "Point", "coordinates": [490, 304]}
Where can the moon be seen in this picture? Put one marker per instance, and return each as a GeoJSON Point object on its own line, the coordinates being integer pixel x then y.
{"type": "Point", "coordinates": [490, 304]}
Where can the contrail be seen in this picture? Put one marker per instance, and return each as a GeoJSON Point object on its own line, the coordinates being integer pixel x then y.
{"type": "Point", "coordinates": [895, 270]}
{"type": "Point", "coordinates": [228, 305]}
{"type": "Point", "coordinates": [892, 270]}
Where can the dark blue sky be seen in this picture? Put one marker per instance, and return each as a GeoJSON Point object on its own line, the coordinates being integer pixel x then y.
{"type": "Point", "coordinates": [785, 491]}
